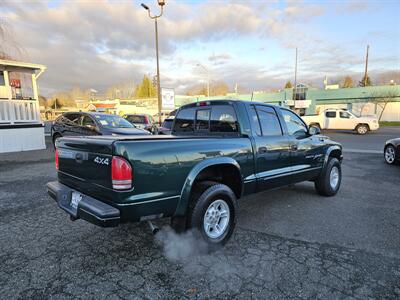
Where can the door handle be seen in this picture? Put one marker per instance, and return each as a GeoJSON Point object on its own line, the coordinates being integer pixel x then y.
{"type": "Point", "coordinates": [262, 149]}
{"type": "Point", "coordinates": [293, 147]}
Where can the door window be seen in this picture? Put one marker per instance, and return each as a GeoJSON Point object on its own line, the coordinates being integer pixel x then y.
{"type": "Point", "coordinates": [269, 121]}
{"type": "Point", "coordinates": [71, 119]}
{"type": "Point", "coordinates": [344, 115]}
{"type": "Point", "coordinates": [255, 124]}
{"type": "Point", "coordinates": [88, 121]}
{"type": "Point", "coordinates": [294, 124]}
{"type": "Point", "coordinates": [330, 114]}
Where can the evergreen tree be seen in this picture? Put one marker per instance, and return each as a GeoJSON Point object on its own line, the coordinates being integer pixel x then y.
{"type": "Point", "coordinates": [364, 82]}
{"type": "Point", "coordinates": [288, 85]}
{"type": "Point", "coordinates": [146, 89]}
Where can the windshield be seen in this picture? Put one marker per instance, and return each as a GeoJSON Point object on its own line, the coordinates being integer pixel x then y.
{"type": "Point", "coordinates": [111, 121]}
{"type": "Point", "coordinates": [168, 124]}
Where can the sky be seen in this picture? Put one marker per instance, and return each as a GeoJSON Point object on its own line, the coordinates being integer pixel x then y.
{"type": "Point", "coordinates": [96, 44]}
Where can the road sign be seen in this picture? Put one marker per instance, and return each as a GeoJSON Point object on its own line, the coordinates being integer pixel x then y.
{"type": "Point", "coordinates": [167, 98]}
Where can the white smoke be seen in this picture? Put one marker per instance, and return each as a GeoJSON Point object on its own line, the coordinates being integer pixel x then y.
{"type": "Point", "coordinates": [179, 247]}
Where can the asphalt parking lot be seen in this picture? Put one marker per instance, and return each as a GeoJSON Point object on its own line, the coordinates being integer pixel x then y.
{"type": "Point", "coordinates": [289, 243]}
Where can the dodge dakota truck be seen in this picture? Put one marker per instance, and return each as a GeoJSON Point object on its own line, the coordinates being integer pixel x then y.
{"type": "Point", "coordinates": [219, 151]}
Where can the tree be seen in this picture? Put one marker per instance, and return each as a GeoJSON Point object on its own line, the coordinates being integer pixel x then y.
{"type": "Point", "coordinates": [288, 85]}
{"type": "Point", "coordinates": [348, 82]}
{"type": "Point", "coordinates": [364, 82]}
{"type": "Point", "coordinates": [145, 89]}
{"type": "Point", "coordinates": [57, 104]}
{"type": "Point", "coordinates": [382, 98]}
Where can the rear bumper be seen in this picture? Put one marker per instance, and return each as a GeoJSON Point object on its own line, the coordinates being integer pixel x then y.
{"type": "Point", "coordinates": [88, 208]}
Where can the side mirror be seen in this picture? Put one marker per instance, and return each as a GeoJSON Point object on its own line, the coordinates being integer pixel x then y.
{"type": "Point", "coordinates": [91, 127]}
{"type": "Point", "coordinates": [313, 130]}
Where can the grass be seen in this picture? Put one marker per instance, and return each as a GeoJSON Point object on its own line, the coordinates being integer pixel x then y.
{"type": "Point", "coordinates": [389, 123]}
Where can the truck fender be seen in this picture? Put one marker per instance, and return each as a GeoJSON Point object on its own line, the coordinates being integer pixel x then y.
{"type": "Point", "coordinates": [328, 153]}
{"type": "Point", "coordinates": [190, 179]}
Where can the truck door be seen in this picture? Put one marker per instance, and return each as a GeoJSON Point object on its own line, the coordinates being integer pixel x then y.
{"type": "Point", "coordinates": [272, 153]}
{"type": "Point", "coordinates": [345, 120]}
{"type": "Point", "coordinates": [306, 151]}
{"type": "Point", "coordinates": [331, 119]}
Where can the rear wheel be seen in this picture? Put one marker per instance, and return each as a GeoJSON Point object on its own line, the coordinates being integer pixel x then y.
{"type": "Point", "coordinates": [212, 212]}
{"type": "Point", "coordinates": [362, 129]}
{"type": "Point", "coordinates": [329, 181]}
{"type": "Point", "coordinates": [390, 155]}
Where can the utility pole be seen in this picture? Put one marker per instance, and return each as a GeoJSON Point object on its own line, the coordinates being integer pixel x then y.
{"type": "Point", "coordinates": [366, 67]}
{"type": "Point", "coordinates": [295, 78]}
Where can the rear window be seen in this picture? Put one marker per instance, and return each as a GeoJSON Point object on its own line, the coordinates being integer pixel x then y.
{"type": "Point", "coordinates": [137, 119]}
{"type": "Point", "coordinates": [168, 123]}
{"type": "Point", "coordinates": [214, 119]}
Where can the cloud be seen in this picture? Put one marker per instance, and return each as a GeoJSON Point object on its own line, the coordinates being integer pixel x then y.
{"type": "Point", "coordinates": [101, 43]}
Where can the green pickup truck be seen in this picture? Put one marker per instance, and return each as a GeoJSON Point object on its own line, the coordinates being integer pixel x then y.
{"type": "Point", "coordinates": [219, 151]}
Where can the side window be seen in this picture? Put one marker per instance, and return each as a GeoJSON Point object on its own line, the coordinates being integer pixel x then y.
{"type": "Point", "coordinates": [269, 121]}
{"type": "Point", "coordinates": [2, 81]}
{"type": "Point", "coordinates": [344, 115]}
{"type": "Point", "coordinates": [294, 124]}
{"type": "Point", "coordinates": [71, 119]}
{"type": "Point", "coordinates": [203, 119]}
{"type": "Point", "coordinates": [223, 119]}
{"type": "Point", "coordinates": [87, 121]}
{"type": "Point", "coordinates": [255, 124]}
{"type": "Point", "coordinates": [330, 114]}
{"type": "Point", "coordinates": [184, 121]}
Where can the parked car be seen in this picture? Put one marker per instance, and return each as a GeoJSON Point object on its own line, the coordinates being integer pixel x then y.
{"type": "Point", "coordinates": [219, 151]}
{"type": "Point", "coordinates": [166, 126]}
{"type": "Point", "coordinates": [85, 123]}
{"type": "Point", "coordinates": [342, 119]}
{"type": "Point", "coordinates": [392, 151]}
{"type": "Point", "coordinates": [142, 121]}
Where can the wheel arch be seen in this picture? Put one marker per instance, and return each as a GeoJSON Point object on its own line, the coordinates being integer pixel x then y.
{"type": "Point", "coordinates": [359, 124]}
{"type": "Point", "coordinates": [224, 170]}
{"type": "Point", "coordinates": [333, 151]}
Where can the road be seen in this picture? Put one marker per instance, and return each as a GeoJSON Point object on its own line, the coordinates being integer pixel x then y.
{"type": "Point", "coordinates": [289, 243]}
{"type": "Point", "coordinates": [372, 142]}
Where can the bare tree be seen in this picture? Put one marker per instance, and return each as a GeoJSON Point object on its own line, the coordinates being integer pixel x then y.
{"type": "Point", "coordinates": [382, 98]}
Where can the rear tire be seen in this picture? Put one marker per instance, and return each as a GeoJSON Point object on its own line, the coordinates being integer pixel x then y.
{"type": "Point", "coordinates": [362, 129]}
{"type": "Point", "coordinates": [212, 212]}
{"type": "Point", "coordinates": [329, 181]}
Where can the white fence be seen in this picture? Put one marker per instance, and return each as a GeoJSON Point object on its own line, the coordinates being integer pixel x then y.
{"type": "Point", "coordinates": [19, 111]}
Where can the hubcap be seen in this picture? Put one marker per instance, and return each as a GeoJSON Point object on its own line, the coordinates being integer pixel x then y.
{"type": "Point", "coordinates": [362, 129]}
{"type": "Point", "coordinates": [334, 177]}
{"type": "Point", "coordinates": [216, 219]}
{"type": "Point", "coordinates": [389, 155]}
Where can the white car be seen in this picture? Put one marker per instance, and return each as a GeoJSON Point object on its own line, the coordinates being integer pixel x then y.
{"type": "Point", "coordinates": [342, 119]}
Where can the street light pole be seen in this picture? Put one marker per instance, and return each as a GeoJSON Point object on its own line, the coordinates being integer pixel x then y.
{"type": "Point", "coordinates": [161, 3]}
{"type": "Point", "coordinates": [208, 79]}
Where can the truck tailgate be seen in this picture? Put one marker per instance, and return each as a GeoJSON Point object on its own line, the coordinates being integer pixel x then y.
{"type": "Point", "coordinates": [85, 162]}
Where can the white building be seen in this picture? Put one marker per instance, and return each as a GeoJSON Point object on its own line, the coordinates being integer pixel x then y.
{"type": "Point", "coordinates": [21, 128]}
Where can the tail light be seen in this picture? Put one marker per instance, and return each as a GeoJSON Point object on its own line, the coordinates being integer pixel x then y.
{"type": "Point", "coordinates": [56, 159]}
{"type": "Point", "coordinates": [121, 174]}
{"type": "Point", "coordinates": [146, 120]}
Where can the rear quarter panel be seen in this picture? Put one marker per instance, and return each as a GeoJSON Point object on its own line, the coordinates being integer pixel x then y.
{"type": "Point", "coordinates": [161, 167]}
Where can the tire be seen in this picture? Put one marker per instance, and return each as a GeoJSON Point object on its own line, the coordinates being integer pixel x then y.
{"type": "Point", "coordinates": [212, 212]}
{"type": "Point", "coordinates": [362, 129]}
{"type": "Point", "coordinates": [390, 155]}
{"type": "Point", "coordinates": [55, 137]}
{"type": "Point", "coordinates": [329, 181]}
{"type": "Point", "coordinates": [316, 125]}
